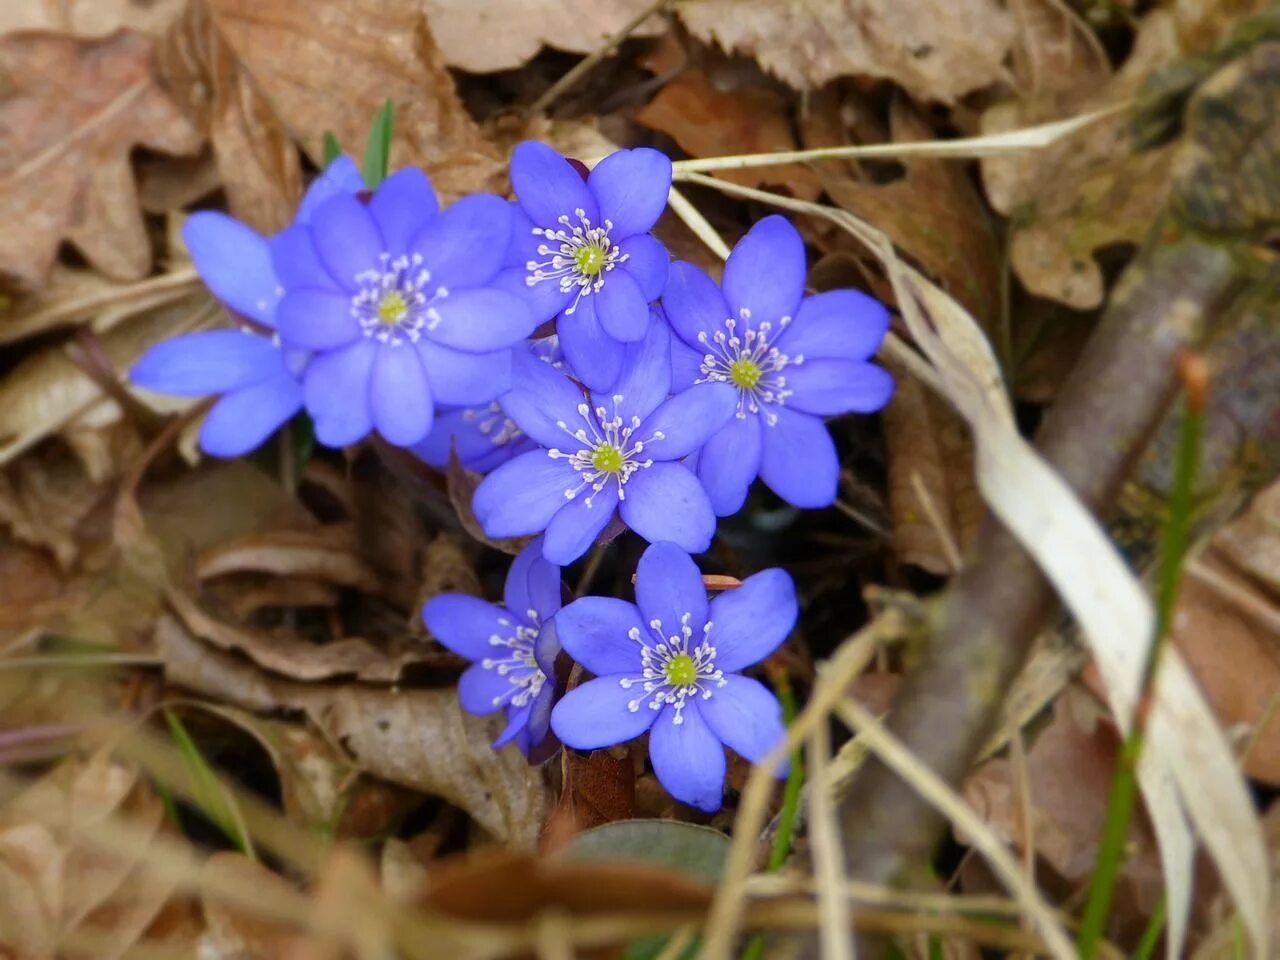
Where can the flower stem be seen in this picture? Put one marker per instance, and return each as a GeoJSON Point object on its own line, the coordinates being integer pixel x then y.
{"type": "Point", "coordinates": [1176, 536]}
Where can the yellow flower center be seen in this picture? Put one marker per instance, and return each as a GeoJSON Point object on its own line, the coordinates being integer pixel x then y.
{"type": "Point", "coordinates": [589, 260]}
{"type": "Point", "coordinates": [392, 308]}
{"type": "Point", "coordinates": [607, 457]}
{"type": "Point", "coordinates": [745, 374]}
{"type": "Point", "coordinates": [680, 670]}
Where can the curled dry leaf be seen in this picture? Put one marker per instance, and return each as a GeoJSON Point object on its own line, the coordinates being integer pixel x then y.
{"type": "Point", "coordinates": [47, 389]}
{"type": "Point", "coordinates": [327, 553]}
{"type": "Point", "coordinates": [89, 18]}
{"type": "Point", "coordinates": [707, 122]}
{"type": "Point", "coordinates": [936, 49]}
{"type": "Point", "coordinates": [387, 51]}
{"type": "Point", "coordinates": [503, 34]}
{"type": "Point", "coordinates": [1089, 190]}
{"type": "Point", "coordinates": [71, 112]}
{"type": "Point", "coordinates": [256, 160]}
{"type": "Point", "coordinates": [56, 883]}
{"type": "Point", "coordinates": [419, 739]}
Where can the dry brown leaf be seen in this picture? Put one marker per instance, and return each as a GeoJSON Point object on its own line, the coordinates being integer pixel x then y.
{"type": "Point", "coordinates": [1087, 191]}
{"type": "Point", "coordinates": [936, 49]}
{"type": "Point", "coordinates": [930, 456]}
{"type": "Point", "coordinates": [88, 18]}
{"type": "Point", "coordinates": [1224, 943]}
{"type": "Point", "coordinates": [71, 113]}
{"type": "Point", "coordinates": [386, 51]}
{"type": "Point", "coordinates": [256, 160]}
{"type": "Point", "coordinates": [420, 739]}
{"type": "Point", "coordinates": [502, 34]}
{"type": "Point", "coordinates": [59, 883]}
{"type": "Point", "coordinates": [707, 122]}
{"type": "Point", "coordinates": [232, 934]}
{"type": "Point", "coordinates": [43, 498]}
{"type": "Point", "coordinates": [933, 213]}
{"type": "Point", "coordinates": [598, 788]}
{"type": "Point", "coordinates": [1068, 773]}
{"type": "Point", "coordinates": [328, 553]}
{"type": "Point", "coordinates": [289, 654]}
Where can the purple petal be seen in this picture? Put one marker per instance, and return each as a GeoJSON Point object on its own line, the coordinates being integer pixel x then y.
{"type": "Point", "coordinates": [729, 462]}
{"type": "Point", "coordinates": [841, 324]}
{"type": "Point", "coordinates": [244, 418]}
{"type": "Point", "coordinates": [465, 245]}
{"type": "Point", "coordinates": [799, 461]}
{"type": "Point", "coordinates": [666, 502]}
{"type": "Point", "coordinates": [645, 380]}
{"type": "Point", "coordinates": [341, 176]}
{"type": "Point", "coordinates": [648, 263]}
{"type": "Point", "coordinates": [621, 307]}
{"type": "Point", "coordinates": [316, 319]}
{"type": "Point", "coordinates": [465, 378]}
{"type": "Point", "coordinates": [688, 420]}
{"type": "Point", "coordinates": [293, 254]}
{"type": "Point", "coordinates": [687, 758]}
{"type": "Point", "coordinates": [751, 621]}
{"type": "Point", "coordinates": [399, 400]}
{"type": "Point", "coordinates": [400, 206]}
{"type": "Point", "coordinates": [532, 584]}
{"type": "Point", "coordinates": [336, 388]}
{"type": "Point", "coordinates": [482, 691]}
{"type": "Point", "coordinates": [765, 273]}
{"type": "Point", "coordinates": [546, 648]}
{"type": "Point", "coordinates": [517, 723]}
{"type": "Point", "coordinates": [631, 187]}
{"type": "Point", "coordinates": [547, 186]}
{"type": "Point", "coordinates": [594, 357]}
{"type": "Point", "coordinates": [464, 624]}
{"type": "Point", "coordinates": [686, 365]}
{"type": "Point", "coordinates": [598, 714]}
{"type": "Point", "coordinates": [541, 399]}
{"type": "Point", "coordinates": [544, 300]}
{"type": "Point", "coordinates": [215, 361]}
{"type": "Point", "coordinates": [539, 718]}
{"type": "Point", "coordinates": [523, 494]}
{"type": "Point", "coordinates": [593, 630]}
{"type": "Point", "coordinates": [744, 716]}
{"type": "Point", "coordinates": [235, 264]}
{"type": "Point", "coordinates": [669, 587]}
{"type": "Point", "coordinates": [480, 320]}
{"type": "Point", "coordinates": [693, 304]}
{"type": "Point", "coordinates": [577, 524]}
{"type": "Point", "coordinates": [460, 430]}
{"type": "Point", "coordinates": [346, 238]}
{"type": "Point", "coordinates": [832, 387]}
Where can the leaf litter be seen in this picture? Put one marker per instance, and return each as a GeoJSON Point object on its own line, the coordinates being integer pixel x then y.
{"type": "Point", "coordinates": [279, 597]}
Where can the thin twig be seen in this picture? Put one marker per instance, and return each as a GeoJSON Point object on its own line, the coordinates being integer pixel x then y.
{"type": "Point", "coordinates": [584, 65]}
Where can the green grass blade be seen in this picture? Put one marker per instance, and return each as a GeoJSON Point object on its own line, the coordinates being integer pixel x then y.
{"type": "Point", "coordinates": [377, 152]}
{"type": "Point", "coordinates": [211, 797]}
{"type": "Point", "coordinates": [332, 148]}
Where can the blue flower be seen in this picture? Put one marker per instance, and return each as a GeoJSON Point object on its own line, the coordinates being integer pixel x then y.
{"type": "Point", "coordinates": [396, 299]}
{"type": "Point", "coordinates": [483, 436]}
{"type": "Point", "coordinates": [669, 664]}
{"type": "Point", "coordinates": [512, 647]}
{"type": "Point", "coordinates": [257, 378]}
{"type": "Point", "coordinates": [581, 250]}
{"type": "Point", "coordinates": [620, 450]}
{"type": "Point", "coordinates": [793, 360]}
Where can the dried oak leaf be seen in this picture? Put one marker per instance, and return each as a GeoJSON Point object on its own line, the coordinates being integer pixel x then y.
{"type": "Point", "coordinates": [708, 122]}
{"type": "Point", "coordinates": [330, 66]}
{"type": "Point", "coordinates": [1090, 190]}
{"type": "Point", "coordinates": [70, 113]}
{"type": "Point", "coordinates": [937, 50]}
{"type": "Point", "coordinates": [502, 34]}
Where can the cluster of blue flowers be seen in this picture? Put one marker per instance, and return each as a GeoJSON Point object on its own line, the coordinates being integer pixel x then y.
{"type": "Point", "coordinates": [549, 343]}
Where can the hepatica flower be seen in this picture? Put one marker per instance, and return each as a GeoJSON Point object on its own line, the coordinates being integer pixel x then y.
{"type": "Point", "coordinates": [396, 299]}
{"type": "Point", "coordinates": [605, 452]}
{"type": "Point", "coordinates": [670, 664]}
{"type": "Point", "coordinates": [581, 250]}
{"type": "Point", "coordinates": [512, 647]}
{"type": "Point", "coordinates": [792, 360]}
{"type": "Point", "coordinates": [483, 436]}
{"type": "Point", "coordinates": [257, 377]}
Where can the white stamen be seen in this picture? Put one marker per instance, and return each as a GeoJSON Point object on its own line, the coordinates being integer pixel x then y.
{"type": "Point", "coordinates": [659, 689]}
{"type": "Point", "coordinates": [603, 436]}
{"type": "Point", "coordinates": [403, 283]}
{"type": "Point", "coordinates": [563, 252]}
{"type": "Point", "coordinates": [518, 665]}
{"type": "Point", "coordinates": [728, 347]}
